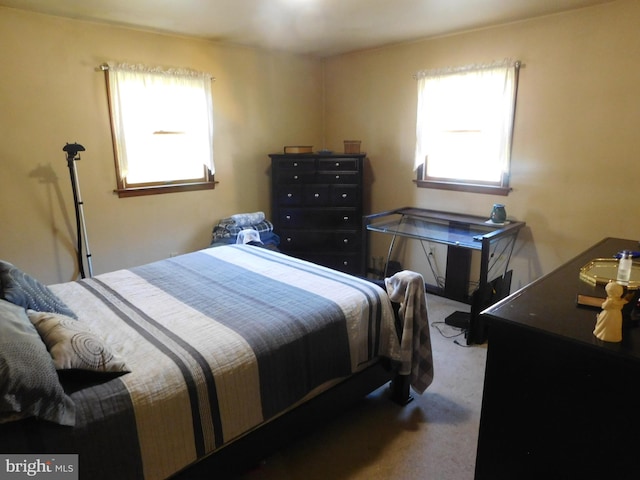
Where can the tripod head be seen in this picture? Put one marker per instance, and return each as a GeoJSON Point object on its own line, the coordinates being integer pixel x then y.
{"type": "Point", "coordinates": [72, 150]}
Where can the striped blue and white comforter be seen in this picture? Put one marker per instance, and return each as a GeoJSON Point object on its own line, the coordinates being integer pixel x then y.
{"type": "Point", "coordinates": [217, 341]}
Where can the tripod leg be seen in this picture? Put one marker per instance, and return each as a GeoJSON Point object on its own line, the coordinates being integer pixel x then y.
{"type": "Point", "coordinates": [72, 174]}
{"type": "Point", "coordinates": [80, 215]}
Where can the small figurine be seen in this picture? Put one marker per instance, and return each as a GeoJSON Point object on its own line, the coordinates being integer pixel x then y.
{"type": "Point", "coordinates": [609, 320]}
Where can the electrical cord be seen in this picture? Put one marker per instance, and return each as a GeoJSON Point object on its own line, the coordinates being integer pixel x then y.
{"type": "Point", "coordinates": [434, 270]}
{"type": "Point", "coordinates": [436, 325]}
{"type": "Point", "coordinates": [463, 331]}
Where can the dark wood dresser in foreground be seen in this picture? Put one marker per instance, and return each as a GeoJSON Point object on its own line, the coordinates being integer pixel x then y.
{"type": "Point", "coordinates": [558, 403]}
{"type": "Point", "coordinates": [317, 208]}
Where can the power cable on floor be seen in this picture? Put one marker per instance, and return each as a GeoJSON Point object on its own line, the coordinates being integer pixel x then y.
{"type": "Point", "coordinates": [436, 325]}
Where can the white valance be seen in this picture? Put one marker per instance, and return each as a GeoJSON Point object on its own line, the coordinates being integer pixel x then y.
{"type": "Point", "coordinates": [142, 68]}
{"type": "Point", "coordinates": [474, 67]}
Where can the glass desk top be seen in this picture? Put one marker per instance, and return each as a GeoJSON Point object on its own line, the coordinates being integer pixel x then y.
{"type": "Point", "coordinates": [450, 229]}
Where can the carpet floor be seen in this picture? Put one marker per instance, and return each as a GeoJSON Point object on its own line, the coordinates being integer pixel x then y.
{"type": "Point", "coordinates": [432, 438]}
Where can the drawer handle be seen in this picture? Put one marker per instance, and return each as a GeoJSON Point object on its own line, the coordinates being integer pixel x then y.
{"type": "Point", "coordinates": [295, 177]}
{"type": "Point", "coordinates": [337, 177]}
{"type": "Point", "coordinates": [345, 263]}
{"type": "Point", "coordinates": [317, 195]}
{"type": "Point", "coordinates": [295, 164]}
{"type": "Point", "coordinates": [345, 240]}
{"type": "Point", "coordinates": [346, 219]}
{"type": "Point", "coordinates": [288, 217]}
{"type": "Point", "coordinates": [337, 164]}
{"type": "Point", "coordinates": [344, 195]}
{"type": "Point", "coordinates": [289, 239]}
{"type": "Point", "coordinates": [289, 195]}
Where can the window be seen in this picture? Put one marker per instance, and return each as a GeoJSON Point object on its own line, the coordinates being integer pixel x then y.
{"type": "Point", "coordinates": [464, 127]}
{"type": "Point", "coordinates": [162, 127]}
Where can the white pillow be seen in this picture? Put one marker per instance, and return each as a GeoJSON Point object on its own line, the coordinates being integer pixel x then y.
{"type": "Point", "coordinates": [73, 345]}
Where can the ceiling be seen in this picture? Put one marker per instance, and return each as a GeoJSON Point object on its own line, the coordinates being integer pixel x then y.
{"type": "Point", "coordinates": [315, 27]}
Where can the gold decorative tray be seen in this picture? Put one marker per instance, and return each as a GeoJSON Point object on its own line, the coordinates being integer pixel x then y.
{"type": "Point", "coordinates": [601, 271]}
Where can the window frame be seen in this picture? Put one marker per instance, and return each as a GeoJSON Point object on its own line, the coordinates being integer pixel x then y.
{"type": "Point", "coordinates": [460, 186]}
{"type": "Point", "coordinates": [126, 189]}
{"type": "Point", "coordinates": [501, 187]}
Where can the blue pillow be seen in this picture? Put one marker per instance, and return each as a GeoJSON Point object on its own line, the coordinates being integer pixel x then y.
{"type": "Point", "coordinates": [29, 385]}
{"type": "Point", "coordinates": [21, 289]}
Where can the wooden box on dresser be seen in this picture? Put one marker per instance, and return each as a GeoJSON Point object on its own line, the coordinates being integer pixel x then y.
{"type": "Point", "coordinates": [317, 208]}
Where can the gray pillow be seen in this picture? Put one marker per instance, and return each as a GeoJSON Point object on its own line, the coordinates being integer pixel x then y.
{"type": "Point", "coordinates": [73, 345]}
{"type": "Point", "coordinates": [29, 385]}
{"type": "Point", "coordinates": [22, 289]}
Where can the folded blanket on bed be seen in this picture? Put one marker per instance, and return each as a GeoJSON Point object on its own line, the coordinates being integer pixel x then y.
{"type": "Point", "coordinates": [229, 231]}
{"type": "Point", "coordinates": [245, 219]}
{"type": "Point", "coordinates": [407, 288]}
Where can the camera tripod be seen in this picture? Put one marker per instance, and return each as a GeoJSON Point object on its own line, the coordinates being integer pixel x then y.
{"type": "Point", "coordinates": [72, 150]}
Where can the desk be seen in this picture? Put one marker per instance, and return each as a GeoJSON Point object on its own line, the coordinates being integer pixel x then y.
{"type": "Point", "coordinates": [462, 234]}
{"type": "Point", "coordinates": [558, 402]}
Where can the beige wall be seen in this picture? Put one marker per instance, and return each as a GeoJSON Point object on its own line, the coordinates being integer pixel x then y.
{"type": "Point", "coordinates": [51, 93]}
{"type": "Point", "coordinates": [575, 157]}
{"type": "Point", "coordinates": [576, 152]}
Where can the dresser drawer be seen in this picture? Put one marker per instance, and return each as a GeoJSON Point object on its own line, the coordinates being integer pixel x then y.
{"type": "Point", "coordinates": [348, 262]}
{"type": "Point", "coordinates": [346, 241]}
{"type": "Point", "coordinates": [345, 195]}
{"type": "Point", "coordinates": [304, 240]}
{"type": "Point", "coordinates": [313, 240]}
{"type": "Point", "coordinates": [341, 164]}
{"type": "Point", "coordinates": [338, 177]}
{"type": "Point", "coordinates": [316, 195]}
{"type": "Point", "coordinates": [284, 177]}
{"type": "Point", "coordinates": [342, 218]}
{"type": "Point", "coordinates": [290, 195]}
{"type": "Point", "coordinates": [296, 164]}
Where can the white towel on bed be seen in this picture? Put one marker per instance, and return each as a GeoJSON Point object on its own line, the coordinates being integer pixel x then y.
{"type": "Point", "coordinates": [407, 288]}
{"type": "Point", "coordinates": [248, 235]}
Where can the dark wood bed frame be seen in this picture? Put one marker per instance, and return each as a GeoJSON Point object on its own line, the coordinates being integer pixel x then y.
{"type": "Point", "coordinates": [248, 451]}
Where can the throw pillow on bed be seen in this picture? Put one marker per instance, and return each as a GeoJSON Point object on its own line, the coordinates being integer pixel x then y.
{"type": "Point", "coordinates": [73, 345]}
{"type": "Point", "coordinates": [29, 385]}
{"type": "Point", "coordinates": [21, 289]}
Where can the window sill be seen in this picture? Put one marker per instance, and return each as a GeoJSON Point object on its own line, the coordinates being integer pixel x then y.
{"type": "Point", "coordinates": [464, 187]}
{"type": "Point", "coordinates": [159, 189]}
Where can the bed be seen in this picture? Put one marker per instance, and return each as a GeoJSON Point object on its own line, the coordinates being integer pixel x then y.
{"type": "Point", "coordinates": [200, 361]}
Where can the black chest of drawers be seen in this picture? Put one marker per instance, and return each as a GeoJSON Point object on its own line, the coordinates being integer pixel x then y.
{"type": "Point", "coordinates": [317, 208]}
{"type": "Point", "coordinates": [558, 403]}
